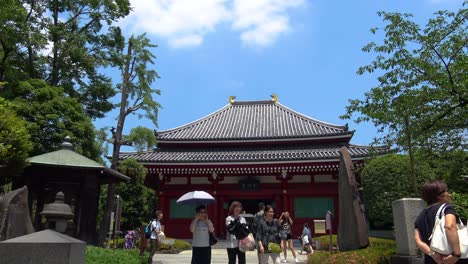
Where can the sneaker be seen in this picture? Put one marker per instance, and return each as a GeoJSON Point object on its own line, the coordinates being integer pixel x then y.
{"type": "Point", "coordinates": [296, 260]}
{"type": "Point", "coordinates": [285, 261]}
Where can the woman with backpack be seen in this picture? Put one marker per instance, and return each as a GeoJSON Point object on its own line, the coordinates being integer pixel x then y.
{"type": "Point", "coordinates": [235, 226]}
{"type": "Point", "coordinates": [155, 227]}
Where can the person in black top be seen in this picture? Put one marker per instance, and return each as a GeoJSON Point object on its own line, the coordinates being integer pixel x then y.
{"type": "Point", "coordinates": [268, 232]}
{"type": "Point", "coordinates": [435, 193]}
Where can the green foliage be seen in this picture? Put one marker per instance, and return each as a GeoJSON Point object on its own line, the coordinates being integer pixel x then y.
{"type": "Point", "coordinates": [138, 200]}
{"type": "Point", "coordinates": [136, 95]}
{"type": "Point", "coordinates": [423, 86]}
{"type": "Point", "coordinates": [60, 42]}
{"type": "Point", "coordinates": [141, 138]}
{"type": "Point", "coordinates": [51, 115]}
{"type": "Point", "coordinates": [15, 142]}
{"type": "Point", "coordinates": [460, 201]}
{"type": "Point", "coordinates": [449, 166]}
{"type": "Point", "coordinates": [379, 252]}
{"type": "Point", "coordinates": [386, 179]}
{"type": "Point", "coordinates": [97, 255]}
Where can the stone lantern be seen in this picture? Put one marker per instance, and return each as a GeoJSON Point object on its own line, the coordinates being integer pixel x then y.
{"type": "Point", "coordinates": [57, 214]}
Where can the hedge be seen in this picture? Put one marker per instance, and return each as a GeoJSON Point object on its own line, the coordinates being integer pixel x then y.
{"type": "Point", "coordinates": [379, 252]}
{"type": "Point", "coordinates": [98, 255]}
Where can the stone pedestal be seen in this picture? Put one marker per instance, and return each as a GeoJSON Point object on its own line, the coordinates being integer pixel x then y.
{"type": "Point", "coordinates": [45, 247]}
{"type": "Point", "coordinates": [405, 212]}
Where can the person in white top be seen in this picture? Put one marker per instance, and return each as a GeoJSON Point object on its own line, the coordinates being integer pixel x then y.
{"type": "Point", "coordinates": [232, 220]}
{"type": "Point", "coordinates": [155, 231]}
{"type": "Point", "coordinates": [201, 227]}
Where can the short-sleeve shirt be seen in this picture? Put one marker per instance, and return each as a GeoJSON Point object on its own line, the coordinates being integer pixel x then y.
{"type": "Point", "coordinates": [155, 224]}
{"type": "Point", "coordinates": [201, 234]}
{"type": "Point", "coordinates": [425, 223]}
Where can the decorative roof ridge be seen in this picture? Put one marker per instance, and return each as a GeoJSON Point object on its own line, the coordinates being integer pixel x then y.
{"type": "Point", "coordinates": [253, 102]}
{"type": "Point", "coordinates": [224, 108]}
{"type": "Point", "coordinates": [306, 117]}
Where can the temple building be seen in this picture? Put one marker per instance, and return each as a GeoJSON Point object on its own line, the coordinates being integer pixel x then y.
{"type": "Point", "coordinates": [250, 151]}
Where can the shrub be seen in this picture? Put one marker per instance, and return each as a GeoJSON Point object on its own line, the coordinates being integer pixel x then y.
{"type": "Point", "coordinates": [97, 255]}
{"type": "Point", "coordinates": [386, 179]}
{"type": "Point", "coordinates": [379, 252]}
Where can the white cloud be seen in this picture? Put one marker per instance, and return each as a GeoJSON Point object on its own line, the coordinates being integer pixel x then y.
{"type": "Point", "coordinates": [184, 23]}
{"type": "Point", "coordinates": [186, 41]}
{"type": "Point", "coordinates": [262, 21]}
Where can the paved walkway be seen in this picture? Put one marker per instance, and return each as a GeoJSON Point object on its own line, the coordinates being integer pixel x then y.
{"type": "Point", "coordinates": [218, 256]}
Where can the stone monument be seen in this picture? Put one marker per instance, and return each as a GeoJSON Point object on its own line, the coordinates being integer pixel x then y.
{"type": "Point", "coordinates": [405, 212]}
{"type": "Point", "coordinates": [14, 214]}
{"type": "Point", "coordinates": [352, 229]}
{"type": "Point", "coordinates": [48, 246]}
{"type": "Point", "coordinates": [44, 247]}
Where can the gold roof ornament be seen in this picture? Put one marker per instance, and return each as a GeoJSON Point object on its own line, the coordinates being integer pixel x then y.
{"type": "Point", "coordinates": [231, 99]}
{"type": "Point", "coordinates": [275, 98]}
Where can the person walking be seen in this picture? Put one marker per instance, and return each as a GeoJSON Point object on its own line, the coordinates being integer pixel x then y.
{"type": "Point", "coordinates": [269, 244]}
{"type": "Point", "coordinates": [286, 238]}
{"type": "Point", "coordinates": [234, 224]}
{"type": "Point", "coordinates": [201, 227]}
{"type": "Point", "coordinates": [155, 230]}
{"type": "Point", "coordinates": [257, 219]}
{"type": "Point", "coordinates": [306, 239]}
{"type": "Point", "coordinates": [435, 193]}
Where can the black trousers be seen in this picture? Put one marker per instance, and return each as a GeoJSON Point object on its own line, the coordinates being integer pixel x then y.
{"type": "Point", "coordinates": [235, 252]}
{"type": "Point", "coordinates": [201, 255]}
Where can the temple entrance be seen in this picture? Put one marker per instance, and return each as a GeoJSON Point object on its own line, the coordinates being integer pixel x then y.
{"type": "Point", "coordinates": [250, 206]}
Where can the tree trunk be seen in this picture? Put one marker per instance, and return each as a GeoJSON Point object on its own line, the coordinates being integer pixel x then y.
{"type": "Point", "coordinates": [117, 139]}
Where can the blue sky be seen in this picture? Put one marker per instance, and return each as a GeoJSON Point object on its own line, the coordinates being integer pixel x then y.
{"type": "Point", "coordinates": [306, 52]}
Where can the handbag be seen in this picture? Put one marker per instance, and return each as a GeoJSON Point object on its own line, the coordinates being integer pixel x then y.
{"type": "Point", "coordinates": [213, 239]}
{"type": "Point", "coordinates": [274, 247]}
{"type": "Point", "coordinates": [438, 237]}
{"type": "Point", "coordinates": [247, 243]}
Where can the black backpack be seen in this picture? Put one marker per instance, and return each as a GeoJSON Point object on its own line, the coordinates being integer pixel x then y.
{"type": "Point", "coordinates": [148, 230]}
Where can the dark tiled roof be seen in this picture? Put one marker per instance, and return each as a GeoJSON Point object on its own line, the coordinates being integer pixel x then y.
{"type": "Point", "coordinates": [250, 121]}
{"type": "Point", "coordinates": [253, 154]}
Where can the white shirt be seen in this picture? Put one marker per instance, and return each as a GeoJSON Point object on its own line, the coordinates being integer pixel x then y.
{"type": "Point", "coordinates": [231, 240]}
{"type": "Point", "coordinates": [155, 224]}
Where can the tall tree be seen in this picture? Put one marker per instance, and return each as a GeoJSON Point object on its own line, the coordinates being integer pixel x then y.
{"type": "Point", "coordinates": [131, 58]}
{"type": "Point", "coordinates": [60, 42]}
{"type": "Point", "coordinates": [422, 90]}
{"type": "Point", "coordinates": [141, 138]}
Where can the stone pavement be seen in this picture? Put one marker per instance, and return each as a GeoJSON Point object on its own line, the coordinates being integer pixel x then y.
{"type": "Point", "coordinates": [218, 256]}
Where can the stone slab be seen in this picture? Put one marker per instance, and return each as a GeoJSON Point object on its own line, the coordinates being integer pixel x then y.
{"type": "Point", "coordinates": [45, 247]}
{"type": "Point", "coordinates": [405, 212]}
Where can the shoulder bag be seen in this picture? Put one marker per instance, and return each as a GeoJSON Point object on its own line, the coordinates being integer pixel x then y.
{"type": "Point", "coordinates": [438, 237]}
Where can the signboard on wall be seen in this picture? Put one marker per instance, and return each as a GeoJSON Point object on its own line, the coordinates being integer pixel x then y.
{"type": "Point", "coordinates": [249, 184]}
